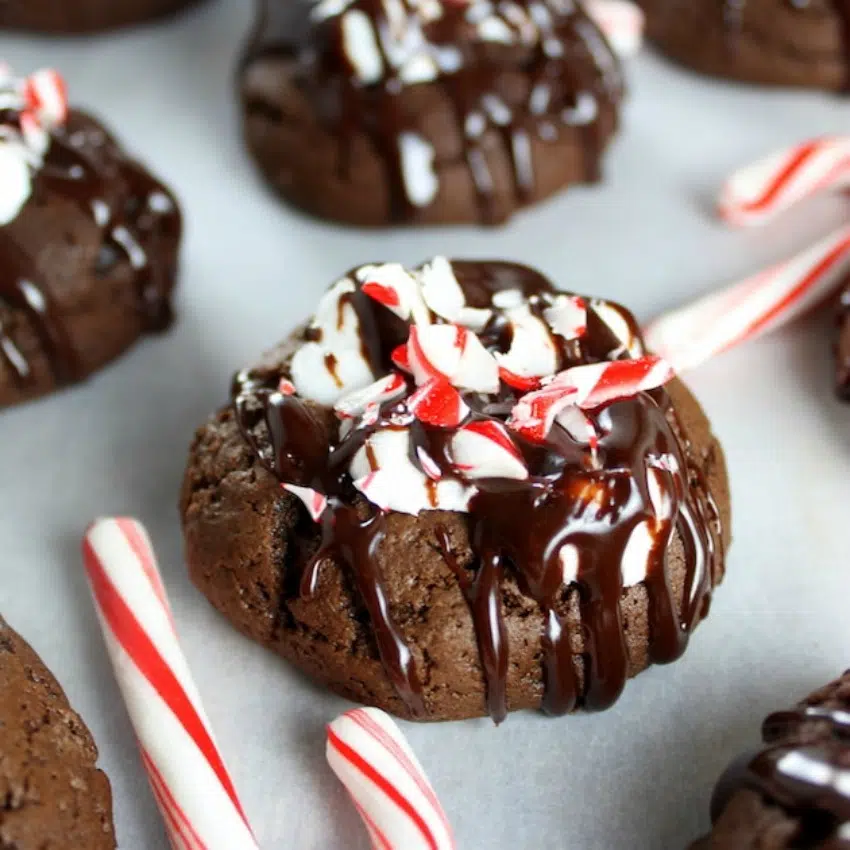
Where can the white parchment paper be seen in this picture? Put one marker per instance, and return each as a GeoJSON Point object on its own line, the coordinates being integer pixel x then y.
{"type": "Point", "coordinates": [635, 778]}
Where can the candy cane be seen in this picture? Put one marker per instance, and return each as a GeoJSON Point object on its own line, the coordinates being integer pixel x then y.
{"type": "Point", "coordinates": [622, 23]}
{"type": "Point", "coordinates": [761, 191]}
{"type": "Point", "coordinates": [389, 789]}
{"type": "Point", "coordinates": [755, 306]}
{"type": "Point", "coordinates": [187, 774]}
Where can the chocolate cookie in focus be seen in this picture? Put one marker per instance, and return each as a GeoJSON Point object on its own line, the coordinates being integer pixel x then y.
{"type": "Point", "coordinates": [83, 16]}
{"type": "Point", "coordinates": [376, 112]}
{"type": "Point", "coordinates": [89, 243]}
{"type": "Point", "coordinates": [794, 794]}
{"type": "Point", "coordinates": [779, 42]}
{"type": "Point", "coordinates": [456, 492]}
{"type": "Point", "coordinates": [51, 793]}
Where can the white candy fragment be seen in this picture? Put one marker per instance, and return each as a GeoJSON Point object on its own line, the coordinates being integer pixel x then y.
{"type": "Point", "coordinates": [326, 369]}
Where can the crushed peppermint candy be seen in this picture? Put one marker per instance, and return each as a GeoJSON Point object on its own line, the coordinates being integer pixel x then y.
{"type": "Point", "coordinates": [31, 107]}
{"type": "Point", "coordinates": [492, 378]}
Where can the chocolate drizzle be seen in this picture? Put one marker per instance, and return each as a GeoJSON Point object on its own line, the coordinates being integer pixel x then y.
{"type": "Point", "coordinates": [139, 223]}
{"type": "Point", "coordinates": [505, 98]}
{"type": "Point", "coordinates": [643, 473]}
{"type": "Point", "coordinates": [733, 16]}
{"type": "Point", "coordinates": [805, 769]}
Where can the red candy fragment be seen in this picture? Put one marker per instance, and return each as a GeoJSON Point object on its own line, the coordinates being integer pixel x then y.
{"type": "Point", "coordinates": [388, 388]}
{"type": "Point", "coordinates": [47, 97]}
{"type": "Point", "coordinates": [484, 449]}
{"type": "Point", "coordinates": [438, 403]}
{"type": "Point", "coordinates": [382, 294]}
{"type": "Point", "coordinates": [286, 387]}
{"type": "Point", "coordinates": [586, 387]}
{"type": "Point", "coordinates": [518, 382]}
{"type": "Point", "coordinates": [400, 358]}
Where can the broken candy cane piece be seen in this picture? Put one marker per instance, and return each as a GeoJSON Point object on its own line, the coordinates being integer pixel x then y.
{"type": "Point", "coordinates": [314, 501]}
{"type": "Point", "coordinates": [454, 354]}
{"type": "Point", "coordinates": [388, 388]}
{"type": "Point", "coordinates": [586, 387]}
{"type": "Point", "coordinates": [444, 296]}
{"type": "Point", "coordinates": [743, 311]}
{"type": "Point", "coordinates": [393, 286]}
{"type": "Point", "coordinates": [484, 449]}
{"type": "Point", "coordinates": [567, 316]}
{"type": "Point", "coordinates": [438, 403]}
{"type": "Point", "coordinates": [533, 353]}
{"type": "Point", "coordinates": [46, 97]}
{"type": "Point", "coordinates": [759, 192]}
{"type": "Point", "coordinates": [387, 784]}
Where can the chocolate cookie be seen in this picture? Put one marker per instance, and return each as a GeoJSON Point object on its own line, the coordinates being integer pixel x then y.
{"type": "Point", "coordinates": [88, 243]}
{"type": "Point", "coordinates": [842, 350]}
{"type": "Point", "coordinates": [403, 502]}
{"type": "Point", "coordinates": [795, 793]}
{"type": "Point", "coordinates": [373, 112]}
{"type": "Point", "coordinates": [783, 42]}
{"type": "Point", "coordinates": [51, 793]}
{"type": "Point", "coordinates": [80, 16]}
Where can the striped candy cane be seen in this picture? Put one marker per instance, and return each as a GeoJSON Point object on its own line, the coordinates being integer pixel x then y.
{"type": "Point", "coordinates": [621, 21]}
{"type": "Point", "coordinates": [689, 336]}
{"type": "Point", "coordinates": [389, 789]}
{"type": "Point", "coordinates": [187, 774]}
{"type": "Point", "coordinates": [759, 192]}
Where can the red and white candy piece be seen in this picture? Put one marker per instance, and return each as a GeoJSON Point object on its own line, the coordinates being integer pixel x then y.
{"type": "Point", "coordinates": [444, 296]}
{"type": "Point", "coordinates": [46, 96]}
{"type": "Point", "coordinates": [393, 286]}
{"type": "Point", "coordinates": [387, 784]}
{"type": "Point", "coordinates": [761, 191]}
{"type": "Point", "coordinates": [484, 449]}
{"type": "Point", "coordinates": [622, 23]}
{"type": "Point", "coordinates": [438, 403]}
{"type": "Point", "coordinates": [567, 316]}
{"type": "Point", "coordinates": [388, 388]}
{"type": "Point", "coordinates": [533, 353]}
{"type": "Point", "coordinates": [451, 353]}
{"type": "Point", "coordinates": [315, 502]}
{"type": "Point", "coordinates": [187, 774]}
{"type": "Point", "coordinates": [586, 387]}
{"type": "Point", "coordinates": [743, 311]}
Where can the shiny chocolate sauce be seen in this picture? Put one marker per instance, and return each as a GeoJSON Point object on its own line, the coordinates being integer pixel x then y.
{"type": "Point", "coordinates": [733, 15]}
{"type": "Point", "coordinates": [805, 772]}
{"type": "Point", "coordinates": [589, 500]}
{"type": "Point", "coordinates": [509, 95]}
{"type": "Point", "coordinates": [139, 223]}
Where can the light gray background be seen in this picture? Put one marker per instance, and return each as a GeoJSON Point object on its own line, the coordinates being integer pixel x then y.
{"type": "Point", "coordinates": [635, 778]}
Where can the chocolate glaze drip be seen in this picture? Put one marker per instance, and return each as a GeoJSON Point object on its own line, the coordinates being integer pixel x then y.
{"type": "Point", "coordinates": [139, 221]}
{"type": "Point", "coordinates": [733, 15]}
{"type": "Point", "coordinates": [570, 78]}
{"type": "Point", "coordinates": [805, 772]}
{"type": "Point", "coordinates": [592, 501]}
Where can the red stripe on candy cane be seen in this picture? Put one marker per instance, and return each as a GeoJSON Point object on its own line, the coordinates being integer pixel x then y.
{"type": "Point", "coordinates": [368, 725]}
{"type": "Point", "coordinates": [176, 832]}
{"type": "Point", "coordinates": [758, 192]}
{"type": "Point", "coordinates": [692, 334]}
{"type": "Point", "coordinates": [141, 549]}
{"type": "Point", "coordinates": [385, 786]}
{"type": "Point", "coordinates": [144, 654]}
{"type": "Point", "coordinates": [174, 838]}
{"type": "Point", "coordinates": [192, 839]}
{"type": "Point", "coordinates": [379, 840]}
